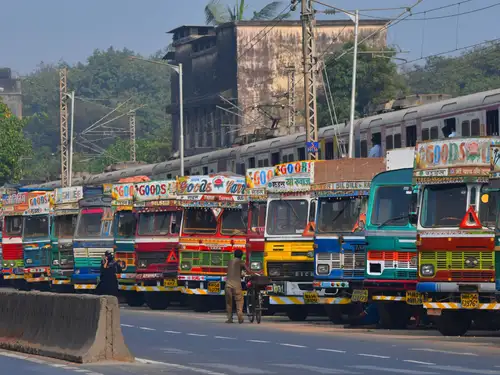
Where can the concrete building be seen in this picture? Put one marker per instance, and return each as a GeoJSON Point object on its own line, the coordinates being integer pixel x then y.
{"type": "Point", "coordinates": [10, 92]}
{"type": "Point", "coordinates": [236, 77]}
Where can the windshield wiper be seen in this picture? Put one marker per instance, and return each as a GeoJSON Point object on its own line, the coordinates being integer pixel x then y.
{"type": "Point", "coordinates": [392, 219]}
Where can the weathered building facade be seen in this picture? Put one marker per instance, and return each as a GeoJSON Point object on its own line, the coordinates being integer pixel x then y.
{"type": "Point", "coordinates": [10, 92]}
{"type": "Point", "coordinates": [236, 77]}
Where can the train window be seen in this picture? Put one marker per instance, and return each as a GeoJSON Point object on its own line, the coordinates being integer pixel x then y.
{"type": "Point", "coordinates": [169, 176]}
{"type": "Point", "coordinates": [388, 142]}
{"type": "Point", "coordinates": [364, 149]}
{"type": "Point", "coordinates": [329, 150]}
{"type": "Point", "coordinates": [301, 151]}
{"type": "Point", "coordinates": [285, 158]}
{"type": "Point", "coordinates": [275, 158]}
{"type": "Point", "coordinates": [266, 162]}
{"type": "Point", "coordinates": [205, 170]}
{"type": "Point", "coordinates": [290, 157]}
{"type": "Point", "coordinates": [425, 134]}
{"type": "Point", "coordinates": [260, 163]}
{"type": "Point", "coordinates": [434, 132]}
{"type": "Point", "coordinates": [492, 122]}
{"type": "Point", "coordinates": [411, 136]}
{"type": "Point", "coordinates": [475, 128]}
{"type": "Point", "coordinates": [397, 140]}
{"type": "Point", "coordinates": [251, 162]}
{"type": "Point", "coordinates": [465, 129]}
{"type": "Point", "coordinates": [450, 126]}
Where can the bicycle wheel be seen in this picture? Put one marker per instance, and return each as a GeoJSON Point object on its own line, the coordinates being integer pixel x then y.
{"type": "Point", "coordinates": [251, 305]}
{"type": "Point", "coordinates": [258, 307]}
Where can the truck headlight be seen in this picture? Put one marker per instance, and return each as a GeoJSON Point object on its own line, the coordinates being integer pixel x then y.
{"type": "Point", "coordinates": [323, 269]}
{"type": "Point", "coordinates": [185, 266]}
{"type": "Point", "coordinates": [427, 270]}
{"type": "Point", "coordinates": [55, 262]}
{"type": "Point", "coordinates": [274, 271]}
{"type": "Point", "coordinates": [29, 261]}
{"type": "Point", "coordinates": [256, 266]}
{"type": "Point", "coordinates": [143, 264]}
{"type": "Point", "coordinates": [12, 264]}
{"type": "Point", "coordinates": [63, 262]}
{"type": "Point", "coordinates": [216, 259]}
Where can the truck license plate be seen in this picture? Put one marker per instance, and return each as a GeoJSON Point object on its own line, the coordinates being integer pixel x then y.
{"type": "Point", "coordinates": [414, 298]}
{"type": "Point", "coordinates": [170, 282]}
{"type": "Point", "coordinates": [214, 287]}
{"type": "Point", "coordinates": [469, 300]}
{"type": "Point", "coordinates": [311, 297]}
{"type": "Point", "coordinates": [359, 295]}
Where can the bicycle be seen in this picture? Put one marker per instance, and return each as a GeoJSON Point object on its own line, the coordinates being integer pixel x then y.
{"type": "Point", "coordinates": [255, 300]}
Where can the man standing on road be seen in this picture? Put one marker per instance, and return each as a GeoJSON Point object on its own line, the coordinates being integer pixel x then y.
{"type": "Point", "coordinates": [233, 286]}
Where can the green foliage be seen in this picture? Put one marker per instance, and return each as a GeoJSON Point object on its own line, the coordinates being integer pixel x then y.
{"type": "Point", "coordinates": [474, 71]}
{"type": "Point", "coordinates": [377, 82]}
{"type": "Point", "coordinates": [106, 80]}
{"type": "Point", "coordinates": [217, 13]}
{"type": "Point", "coordinates": [13, 145]}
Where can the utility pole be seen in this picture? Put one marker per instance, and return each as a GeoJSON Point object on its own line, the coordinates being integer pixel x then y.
{"type": "Point", "coordinates": [309, 60]}
{"type": "Point", "coordinates": [131, 123]}
{"type": "Point", "coordinates": [71, 96]}
{"type": "Point", "coordinates": [63, 112]}
{"type": "Point", "coordinates": [291, 99]}
{"type": "Point", "coordinates": [353, 92]}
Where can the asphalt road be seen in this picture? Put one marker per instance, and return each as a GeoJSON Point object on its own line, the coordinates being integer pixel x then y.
{"type": "Point", "coordinates": [184, 343]}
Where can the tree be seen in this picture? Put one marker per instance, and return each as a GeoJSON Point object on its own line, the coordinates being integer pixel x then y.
{"type": "Point", "coordinates": [13, 145]}
{"type": "Point", "coordinates": [217, 13]}
{"type": "Point", "coordinates": [377, 81]}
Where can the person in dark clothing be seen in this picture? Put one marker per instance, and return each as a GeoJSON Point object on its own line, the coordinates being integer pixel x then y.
{"type": "Point", "coordinates": [108, 283]}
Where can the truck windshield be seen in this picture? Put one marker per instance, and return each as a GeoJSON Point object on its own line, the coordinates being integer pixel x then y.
{"type": "Point", "coordinates": [126, 224]}
{"type": "Point", "coordinates": [340, 215]}
{"type": "Point", "coordinates": [89, 223]}
{"type": "Point", "coordinates": [199, 220]}
{"type": "Point", "coordinates": [234, 222]}
{"type": "Point", "coordinates": [64, 226]}
{"type": "Point", "coordinates": [443, 205]}
{"type": "Point", "coordinates": [258, 211]}
{"type": "Point", "coordinates": [158, 223]}
{"type": "Point", "coordinates": [392, 205]}
{"type": "Point", "coordinates": [13, 225]}
{"type": "Point", "coordinates": [489, 209]}
{"type": "Point", "coordinates": [287, 217]}
{"type": "Point", "coordinates": [36, 226]}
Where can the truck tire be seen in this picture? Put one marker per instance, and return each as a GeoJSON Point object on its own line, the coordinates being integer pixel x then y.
{"type": "Point", "coordinates": [200, 303]}
{"type": "Point", "coordinates": [394, 315]}
{"type": "Point", "coordinates": [454, 323]}
{"type": "Point", "coordinates": [134, 299]}
{"type": "Point", "coordinates": [297, 313]}
{"type": "Point", "coordinates": [157, 301]}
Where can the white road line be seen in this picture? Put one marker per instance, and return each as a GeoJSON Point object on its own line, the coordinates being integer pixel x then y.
{"type": "Point", "coordinates": [321, 370]}
{"type": "Point", "coordinates": [373, 356]}
{"type": "Point", "coordinates": [58, 365]}
{"type": "Point", "coordinates": [127, 325]}
{"type": "Point", "coordinates": [147, 329]}
{"type": "Point", "coordinates": [418, 362]}
{"type": "Point", "coordinates": [394, 370]}
{"type": "Point", "coordinates": [235, 369]}
{"type": "Point", "coordinates": [293, 345]}
{"type": "Point", "coordinates": [180, 367]}
{"type": "Point", "coordinates": [225, 338]}
{"type": "Point", "coordinates": [195, 334]}
{"type": "Point", "coordinates": [259, 341]}
{"type": "Point", "coordinates": [331, 350]}
{"type": "Point", "coordinates": [466, 370]}
{"type": "Point", "coordinates": [174, 332]}
{"type": "Point", "coordinates": [443, 351]}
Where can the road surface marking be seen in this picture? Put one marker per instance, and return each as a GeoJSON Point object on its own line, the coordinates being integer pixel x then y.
{"type": "Point", "coordinates": [293, 345]}
{"type": "Point", "coordinates": [442, 351]}
{"type": "Point", "coordinates": [225, 338]}
{"type": "Point", "coordinates": [394, 370]}
{"type": "Point", "coordinates": [127, 325]}
{"type": "Point", "coordinates": [466, 370]}
{"type": "Point", "coordinates": [171, 332]}
{"type": "Point", "coordinates": [147, 329]}
{"type": "Point", "coordinates": [331, 350]}
{"type": "Point", "coordinates": [195, 334]}
{"type": "Point", "coordinates": [259, 341]}
{"type": "Point", "coordinates": [321, 370]}
{"type": "Point", "coordinates": [235, 369]}
{"type": "Point", "coordinates": [179, 367]}
{"type": "Point", "coordinates": [418, 362]}
{"type": "Point", "coordinates": [373, 356]}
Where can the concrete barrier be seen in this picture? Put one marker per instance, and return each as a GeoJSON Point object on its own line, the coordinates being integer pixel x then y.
{"type": "Point", "coordinates": [76, 328]}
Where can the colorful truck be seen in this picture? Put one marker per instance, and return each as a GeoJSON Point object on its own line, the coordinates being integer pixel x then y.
{"type": "Point", "coordinates": [391, 258]}
{"type": "Point", "coordinates": [455, 232]}
{"type": "Point", "coordinates": [36, 240]}
{"type": "Point", "coordinates": [214, 225]}
{"type": "Point", "coordinates": [157, 242]}
{"type": "Point", "coordinates": [63, 227]}
{"type": "Point", "coordinates": [93, 236]}
{"type": "Point", "coordinates": [289, 252]}
{"type": "Point", "coordinates": [341, 187]}
{"type": "Point", "coordinates": [14, 206]}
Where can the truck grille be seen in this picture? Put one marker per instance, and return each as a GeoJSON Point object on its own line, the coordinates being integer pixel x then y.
{"type": "Point", "coordinates": [207, 258]}
{"type": "Point", "coordinates": [296, 271]}
{"type": "Point", "coordinates": [349, 260]}
{"type": "Point", "coordinates": [395, 259]}
{"type": "Point", "coordinates": [459, 260]}
{"type": "Point", "coordinates": [38, 257]}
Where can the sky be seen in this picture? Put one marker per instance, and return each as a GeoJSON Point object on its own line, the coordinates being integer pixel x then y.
{"type": "Point", "coordinates": [33, 31]}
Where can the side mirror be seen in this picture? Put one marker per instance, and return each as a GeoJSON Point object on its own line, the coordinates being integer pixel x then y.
{"type": "Point", "coordinates": [413, 218]}
{"type": "Point", "coordinates": [173, 228]}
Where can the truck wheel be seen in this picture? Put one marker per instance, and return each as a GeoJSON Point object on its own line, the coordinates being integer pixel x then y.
{"type": "Point", "coordinates": [454, 323]}
{"type": "Point", "coordinates": [394, 315]}
{"type": "Point", "coordinates": [134, 299]}
{"type": "Point", "coordinates": [157, 301]}
{"type": "Point", "coordinates": [297, 313]}
{"type": "Point", "coordinates": [200, 303]}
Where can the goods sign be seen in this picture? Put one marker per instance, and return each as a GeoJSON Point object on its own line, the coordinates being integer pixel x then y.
{"type": "Point", "coordinates": [293, 168]}
{"type": "Point", "coordinates": [214, 185]}
{"type": "Point", "coordinates": [259, 177]}
{"type": "Point", "coordinates": [38, 204]}
{"type": "Point", "coordinates": [287, 184]}
{"type": "Point", "coordinates": [154, 190]}
{"type": "Point", "coordinates": [123, 192]}
{"type": "Point", "coordinates": [68, 195]}
{"type": "Point", "coordinates": [495, 160]}
{"type": "Point", "coordinates": [15, 199]}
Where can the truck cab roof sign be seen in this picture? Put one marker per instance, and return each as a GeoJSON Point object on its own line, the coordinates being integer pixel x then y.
{"type": "Point", "coordinates": [155, 190]}
{"type": "Point", "coordinates": [68, 195]}
{"type": "Point", "coordinates": [211, 185]}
